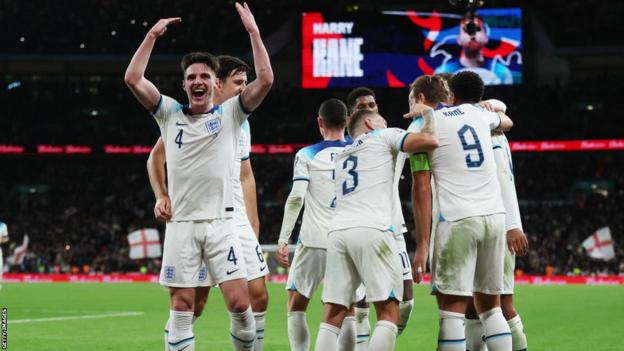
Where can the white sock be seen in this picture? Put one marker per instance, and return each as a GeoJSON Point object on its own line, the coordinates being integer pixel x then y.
{"type": "Point", "coordinates": [260, 319]}
{"type": "Point", "coordinates": [451, 336]}
{"type": "Point", "coordinates": [497, 333]}
{"type": "Point", "coordinates": [243, 330]}
{"type": "Point", "coordinates": [405, 311]}
{"type": "Point", "coordinates": [348, 334]}
{"type": "Point", "coordinates": [181, 331]}
{"type": "Point", "coordinates": [167, 335]}
{"type": "Point", "coordinates": [384, 336]}
{"type": "Point", "coordinates": [327, 339]}
{"type": "Point", "coordinates": [298, 333]}
{"type": "Point", "coordinates": [474, 335]}
{"type": "Point", "coordinates": [518, 337]}
{"type": "Point", "coordinates": [362, 325]}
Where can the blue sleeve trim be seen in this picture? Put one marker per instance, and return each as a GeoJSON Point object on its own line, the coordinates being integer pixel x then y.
{"type": "Point", "coordinates": [301, 178]}
{"type": "Point", "coordinates": [240, 102]}
{"type": "Point", "coordinates": [244, 158]}
{"type": "Point", "coordinates": [496, 147]}
{"type": "Point", "coordinates": [403, 142]}
{"type": "Point", "coordinates": [160, 100]}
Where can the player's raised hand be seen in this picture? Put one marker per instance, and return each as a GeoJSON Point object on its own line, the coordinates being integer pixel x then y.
{"type": "Point", "coordinates": [161, 26]}
{"type": "Point", "coordinates": [517, 242]}
{"type": "Point", "coordinates": [419, 264]}
{"type": "Point", "coordinates": [247, 18]}
{"type": "Point", "coordinates": [282, 255]}
{"type": "Point", "coordinates": [162, 209]}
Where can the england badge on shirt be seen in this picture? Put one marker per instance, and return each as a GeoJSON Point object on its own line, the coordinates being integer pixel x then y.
{"type": "Point", "coordinates": [213, 126]}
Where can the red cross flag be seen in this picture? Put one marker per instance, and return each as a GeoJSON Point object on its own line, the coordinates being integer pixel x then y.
{"type": "Point", "coordinates": [600, 245]}
{"type": "Point", "coordinates": [144, 243]}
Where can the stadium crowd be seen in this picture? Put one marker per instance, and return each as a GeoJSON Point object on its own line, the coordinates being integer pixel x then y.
{"type": "Point", "coordinates": [78, 211]}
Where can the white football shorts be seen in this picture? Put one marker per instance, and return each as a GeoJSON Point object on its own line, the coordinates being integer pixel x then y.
{"type": "Point", "coordinates": [362, 256]}
{"type": "Point", "coordinates": [469, 256]}
{"type": "Point", "coordinates": [201, 253]}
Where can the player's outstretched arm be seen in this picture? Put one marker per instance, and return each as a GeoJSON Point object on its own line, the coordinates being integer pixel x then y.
{"type": "Point", "coordinates": [257, 90]}
{"type": "Point", "coordinates": [156, 174]}
{"type": "Point", "coordinates": [144, 90]}
{"type": "Point", "coordinates": [421, 201]}
{"type": "Point", "coordinates": [293, 206]}
{"type": "Point", "coordinates": [248, 182]}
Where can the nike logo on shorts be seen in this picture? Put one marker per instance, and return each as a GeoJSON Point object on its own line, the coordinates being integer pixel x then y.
{"type": "Point", "coordinates": [184, 348]}
{"type": "Point", "coordinates": [262, 268]}
{"type": "Point", "coordinates": [230, 272]}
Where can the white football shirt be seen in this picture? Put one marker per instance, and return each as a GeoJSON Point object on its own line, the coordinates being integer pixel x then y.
{"type": "Point", "coordinates": [200, 157]}
{"type": "Point", "coordinates": [504, 168]}
{"type": "Point", "coordinates": [365, 174]}
{"type": "Point", "coordinates": [315, 164]}
{"type": "Point", "coordinates": [242, 154]}
{"type": "Point", "coordinates": [463, 164]}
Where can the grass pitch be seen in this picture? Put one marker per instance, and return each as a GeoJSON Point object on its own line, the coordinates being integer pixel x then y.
{"type": "Point", "coordinates": [99, 316]}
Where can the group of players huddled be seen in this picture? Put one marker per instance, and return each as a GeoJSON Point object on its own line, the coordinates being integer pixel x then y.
{"type": "Point", "coordinates": [352, 230]}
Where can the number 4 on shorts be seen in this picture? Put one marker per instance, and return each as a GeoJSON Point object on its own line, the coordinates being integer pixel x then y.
{"type": "Point", "coordinates": [231, 256]}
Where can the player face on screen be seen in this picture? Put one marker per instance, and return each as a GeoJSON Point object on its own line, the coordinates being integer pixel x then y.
{"type": "Point", "coordinates": [472, 43]}
{"type": "Point", "coordinates": [199, 84]}
{"type": "Point", "coordinates": [233, 85]}
{"type": "Point", "coordinates": [366, 102]}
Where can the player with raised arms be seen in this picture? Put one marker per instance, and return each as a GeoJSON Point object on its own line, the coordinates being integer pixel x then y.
{"type": "Point", "coordinates": [361, 246]}
{"type": "Point", "coordinates": [470, 238]}
{"type": "Point", "coordinates": [231, 81]}
{"type": "Point", "coordinates": [201, 140]}
{"type": "Point", "coordinates": [313, 185]}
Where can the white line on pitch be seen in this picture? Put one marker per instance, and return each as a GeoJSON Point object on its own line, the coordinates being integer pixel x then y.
{"type": "Point", "coordinates": [65, 318]}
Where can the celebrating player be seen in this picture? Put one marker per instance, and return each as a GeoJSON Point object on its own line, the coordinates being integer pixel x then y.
{"type": "Point", "coordinates": [201, 140]}
{"type": "Point", "coordinates": [517, 244]}
{"type": "Point", "coordinates": [361, 246]}
{"type": "Point", "coordinates": [313, 184]}
{"type": "Point", "coordinates": [231, 80]}
{"type": "Point", "coordinates": [469, 241]}
{"type": "Point", "coordinates": [363, 98]}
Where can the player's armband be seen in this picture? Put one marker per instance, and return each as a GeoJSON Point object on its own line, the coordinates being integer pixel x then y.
{"type": "Point", "coordinates": [419, 162]}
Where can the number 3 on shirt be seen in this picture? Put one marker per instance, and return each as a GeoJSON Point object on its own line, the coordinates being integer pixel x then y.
{"type": "Point", "coordinates": [351, 164]}
{"type": "Point", "coordinates": [470, 162]}
{"type": "Point", "coordinates": [178, 138]}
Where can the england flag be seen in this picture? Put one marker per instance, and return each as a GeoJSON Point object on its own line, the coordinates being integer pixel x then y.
{"type": "Point", "coordinates": [144, 243]}
{"type": "Point", "coordinates": [600, 245]}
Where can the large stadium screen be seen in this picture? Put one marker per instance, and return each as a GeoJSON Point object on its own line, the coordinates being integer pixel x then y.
{"type": "Point", "coordinates": [392, 48]}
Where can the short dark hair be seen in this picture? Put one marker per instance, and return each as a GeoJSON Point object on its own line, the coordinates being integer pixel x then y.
{"type": "Point", "coordinates": [356, 93]}
{"type": "Point", "coordinates": [334, 113]}
{"type": "Point", "coordinates": [199, 57]}
{"type": "Point", "coordinates": [229, 65]}
{"type": "Point", "coordinates": [434, 88]}
{"type": "Point", "coordinates": [357, 118]}
{"type": "Point", "coordinates": [467, 87]}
